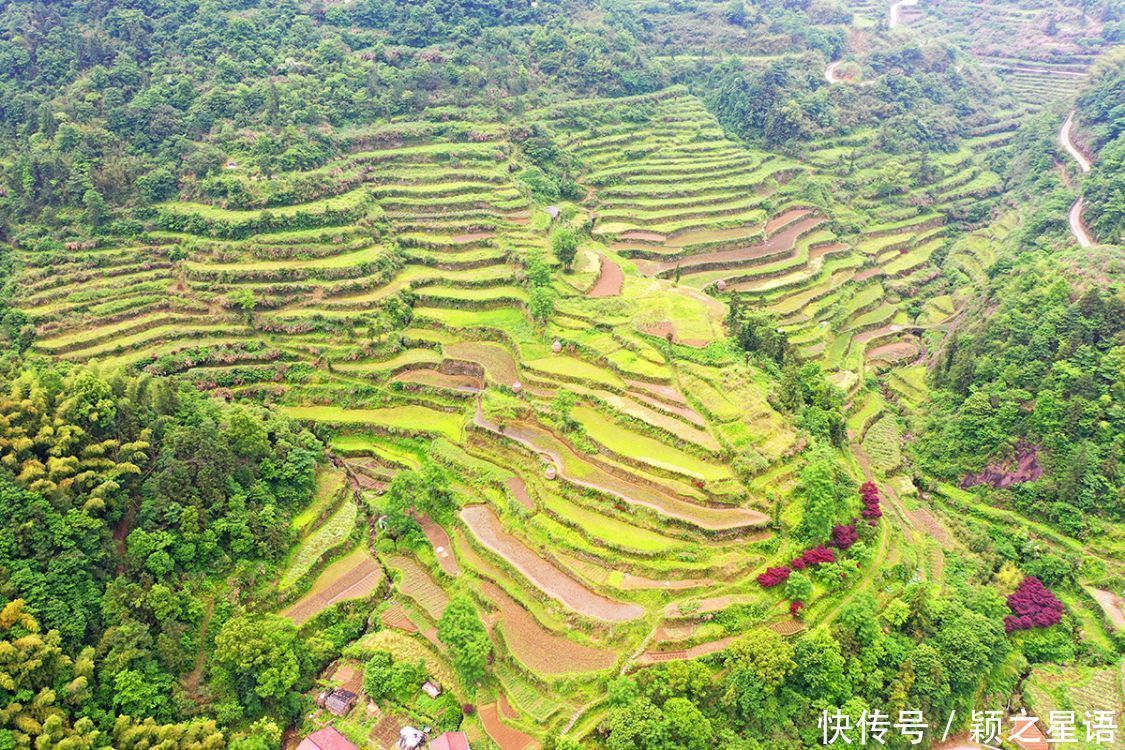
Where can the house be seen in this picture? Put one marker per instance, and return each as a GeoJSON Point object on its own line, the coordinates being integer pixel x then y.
{"type": "Point", "coordinates": [410, 738]}
{"type": "Point", "coordinates": [431, 688]}
{"type": "Point", "coordinates": [326, 739]}
{"type": "Point", "coordinates": [339, 701]}
{"type": "Point", "coordinates": [450, 741]}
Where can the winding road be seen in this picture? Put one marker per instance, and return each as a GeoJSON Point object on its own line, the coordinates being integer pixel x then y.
{"type": "Point", "coordinates": [1077, 226]}
{"type": "Point", "coordinates": [1068, 144]}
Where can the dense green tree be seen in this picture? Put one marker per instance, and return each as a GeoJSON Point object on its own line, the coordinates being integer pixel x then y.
{"type": "Point", "coordinates": [377, 675]}
{"type": "Point", "coordinates": [461, 629]}
{"type": "Point", "coordinates": [261, 657]}
{"type": "Point", "coordinates": [564, 244]}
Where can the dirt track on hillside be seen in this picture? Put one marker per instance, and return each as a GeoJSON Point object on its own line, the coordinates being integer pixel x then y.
{"type": "Point", "coordinates": [1074, 217]}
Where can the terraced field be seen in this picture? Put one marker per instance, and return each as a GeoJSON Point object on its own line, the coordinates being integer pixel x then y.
{"type": "Point", "coordinates": [1051, 55]}
{"type": "Point", "coordinates": [303, 306]}
{"type": "Point", "coordinates": [391, 311]}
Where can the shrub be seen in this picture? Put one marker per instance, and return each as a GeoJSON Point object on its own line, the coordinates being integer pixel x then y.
{"type": "Point", "coordinates": [843, 537]}
{"type": "Point", "coordinates": [774, 577]}
{"type": "Point", "coordinates": [1033, 606]}
{"type": "Point", "coordinates": [814, 556]}
{"type": "Point", "coordinates": [798, 587]}
{"type": "Point", "coordinates": [869, 493]}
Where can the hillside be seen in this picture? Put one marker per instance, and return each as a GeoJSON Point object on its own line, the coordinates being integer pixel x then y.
{"type": "Point", "coordinates": [647, 375]}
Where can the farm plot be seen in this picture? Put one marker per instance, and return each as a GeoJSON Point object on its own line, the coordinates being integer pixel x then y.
{"type": "Point", "coordinates": [577, 470]}
{"type": "Point", "coordinates": [442, 547]}
{"type": "Point", "coordinates": [353, 576]}
{"type": "Point", "coordinates": [538, 649]}
{"type": "Point", "coordinates": [505, 737]}
{"type": "Point", "coordinates": [417, 584]}
{"type": "Point", "coordinates": [410, 418]}
{"type": "Point", "coordinates": [639, 447]}
{"type": "Point", "coordinates": [486, 527]}
{"type": "Point", "coordinates": [330, 534]}
{"type": "Point", "coordinates": [330, 483]}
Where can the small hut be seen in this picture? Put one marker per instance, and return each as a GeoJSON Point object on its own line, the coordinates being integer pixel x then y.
{"type": "Point", "coordinates": [410, 738]}
{"type": "Point", "coordinates": [550, 472]}
{"type": "Point", "coordinates": [326, 739]}
{"type": "Point", "coordinates": [517, 387]}
{"type": "Point", "coordinates": [556, 347]}
{"type": "Point", "coordinates": [338, 702]}
{"type": "Point", "coordinates": [553, 212]}
{"type": "Point", "coordinates": [450, 741]}
{"type": "Point", "coordinates": [431, 688]}
{"type": "Point", "coordinates": [721, 285]}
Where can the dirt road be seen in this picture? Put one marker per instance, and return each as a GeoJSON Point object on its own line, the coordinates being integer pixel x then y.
{"type": "Point", "coordinates": [1077, 225]}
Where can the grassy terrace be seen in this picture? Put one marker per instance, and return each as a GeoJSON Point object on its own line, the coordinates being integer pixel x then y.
{"type": "Point", "coordinates": [283, 304]}
{"type": "Point", "coordinates": [645, 517]}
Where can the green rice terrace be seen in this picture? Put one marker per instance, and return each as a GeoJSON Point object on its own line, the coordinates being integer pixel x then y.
{"type": "Point", "coordinates": [703, 384]}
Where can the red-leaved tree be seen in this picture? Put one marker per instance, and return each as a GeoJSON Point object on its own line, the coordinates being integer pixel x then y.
{"type": "Point", "coordinates": [843, 537]}
{"type": "Point", "coordinates": [774, 577]}
{"type": "Point", "coordinates": [1033, 606]}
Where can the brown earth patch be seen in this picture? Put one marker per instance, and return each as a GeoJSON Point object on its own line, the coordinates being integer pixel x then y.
{"type": "Point", "coordinates": [663, 392]}
{"type": "Point", "coordinates": [443, 550]}
{"type": "Point", "coordinates": [672, 633]}
{"type": "Point", "coordinates": [702, 649]}
{"type": "Point", "coordinates": [349, 676]}
{"type": "Point", "coordinates": [787, 627]}
{"type": "Point", "coordinates": [630, 581]}
{"type": "Point", "coordinates": [596, 477]}
{"type": "Point", "coordinates": [821, 250]}
{"type": "Point", "coordinates": [505, 737]}
{"type": "Point", "coordinates": [640, 235]}
{"type": "Point", "coordinates": [485, 526]}
{"type": "Point", "coordinates": [933, 527]}
{"type": "Point", "coordinates": [355, 583]}
{"type": "Point", "coordinates": [395, 617]}
{"type": "Point", "coordinates": [385, 733]}
{"type": "Point", "coordinates": [686, 412]}
{"type": "Point", "coordinates": [1023, 467]}
{"type": "Point", "coordinates": [610, 280]}
{"type": "Point", "coordinates": [784, 219]}
{"type": "Point", "coordinates": [784, 240]}
{"type": "Point", "coordinates": [507, 709]}
{"type": "Point", "coordinates": [894, 352]}
{"type": "Point", "coordinates": [437, 379]}
{"type": "Point", "coordinates": [539, 649]}
{"type": "Point", "coordinates": [519, 491]}
{"type": "Point", "coordinates": [704, 606]}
